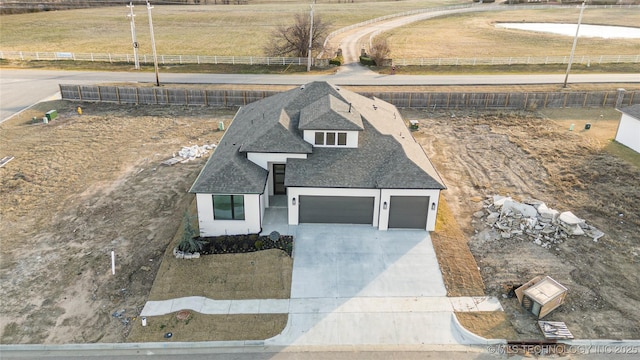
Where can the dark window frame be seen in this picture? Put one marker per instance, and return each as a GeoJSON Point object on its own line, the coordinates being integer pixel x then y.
{"type": "Point", "coordinates": [235, 214]}
{"type": "Point", "coordinates": [330, 138]}
{"type": "Point", "coordinates": [342, 139]}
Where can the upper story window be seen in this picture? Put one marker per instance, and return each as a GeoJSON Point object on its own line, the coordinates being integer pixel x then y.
{"type": "Point", "coordinates": [330, 138]}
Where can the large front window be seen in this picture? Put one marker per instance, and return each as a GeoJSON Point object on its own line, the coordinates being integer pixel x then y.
{"type": "Point", "coordinates": [228, 207]}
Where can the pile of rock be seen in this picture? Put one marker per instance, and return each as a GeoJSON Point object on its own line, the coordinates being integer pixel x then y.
{"type": "Point", "coordinates": [195, 151]}
{"type": "Point", "coordinates": [185, 255]}
{"type": "Point", "coordinates": [531, 220]}
{"type": "Point", "coordinates": [189, 153]}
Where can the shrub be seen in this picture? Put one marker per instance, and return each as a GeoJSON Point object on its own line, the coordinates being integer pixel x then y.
{"type": "Point", "coordinates": [189, 242]}
{"type": "Point", "coordinates": [258, 245]}
{"type": "Point", "coordinates": [191, 245]}
{"type": "Point", "coordinates": [338, 60]}
{"type": "Point", "coordinates": [367, 61]}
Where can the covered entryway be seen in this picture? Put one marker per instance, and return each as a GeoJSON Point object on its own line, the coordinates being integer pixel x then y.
{"type": "Point", "coordinates": [408, 212]}
{"type": "Point", "coordinates": [278, 179]}
{"type": "Point", "coordinates": [336, 209]}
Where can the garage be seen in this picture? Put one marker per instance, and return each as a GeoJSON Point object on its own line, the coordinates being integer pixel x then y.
{"type": "Point", "coordinates": [336, 209]}
{"type": "Point", "coordinates": [408, 212]}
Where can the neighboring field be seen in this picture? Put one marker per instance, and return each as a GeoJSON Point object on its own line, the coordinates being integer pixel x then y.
{"type": "Point", "coordinates": [242, 30]}
{"type": "Point", "coordinates": [474, 35]}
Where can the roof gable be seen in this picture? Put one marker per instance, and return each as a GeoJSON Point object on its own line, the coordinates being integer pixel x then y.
{"type": "Point", "coordinates": [271, 136]}
{"type": "Point", "coordinates": [329, 113]}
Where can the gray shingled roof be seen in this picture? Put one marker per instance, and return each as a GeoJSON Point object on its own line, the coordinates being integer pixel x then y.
{"type": "Point", "coordinates": [387, 156]}
{"type": "Point", "coordinates": [633, 110]}
{"type": "Point", "coordinates": [379, 163]}
{"type": "Point", "coordinates": [329, 113]}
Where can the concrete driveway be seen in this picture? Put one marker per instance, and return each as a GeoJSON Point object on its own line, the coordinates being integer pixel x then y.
{"type": "Point", "coordinates": [355, 285]}
{"type": "Point", "coordinates": [345, 261]}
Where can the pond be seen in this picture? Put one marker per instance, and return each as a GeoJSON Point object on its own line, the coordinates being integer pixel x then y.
{"type": "Point", "coordinates": [586, 30]}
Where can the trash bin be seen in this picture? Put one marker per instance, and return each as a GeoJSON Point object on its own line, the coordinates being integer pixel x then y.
{"type": "Point", "coordinates": [414, 125]}
{"type": "Point", "coordinates": [587, 126]}
{"type": "Point", "coordinates": [51, 114]}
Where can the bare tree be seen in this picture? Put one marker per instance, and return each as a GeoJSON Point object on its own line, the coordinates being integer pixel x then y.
{"type": "Point", "coordinates": [293, 40]}
{"type": "Point", "coordinates": [379, 51]}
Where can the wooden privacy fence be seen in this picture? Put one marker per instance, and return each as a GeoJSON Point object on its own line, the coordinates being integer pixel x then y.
{"type": "Point", "coordinates": [433, 100]}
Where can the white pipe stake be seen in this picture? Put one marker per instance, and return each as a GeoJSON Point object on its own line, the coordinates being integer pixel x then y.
{"type": "Point", "coordinates": [113, 262]}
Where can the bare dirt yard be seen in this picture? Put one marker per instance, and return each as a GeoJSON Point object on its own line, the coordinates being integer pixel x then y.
{"type": "Point", "coordinates": [81, 187]}
{"type": "Point", "coordinates": [535, 156]}
{"type": "Point", "coordinates": [85, 185]}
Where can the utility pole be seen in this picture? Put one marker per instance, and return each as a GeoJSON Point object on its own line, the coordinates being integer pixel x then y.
{"type": "Point", "coordinates": [153, 43]}
{"type": "Point", "coordinates": [310, 40]}
{"type": "Point", "coordinates": [133, 36]}
{"type": "Point", "coordinates": [573, 48]}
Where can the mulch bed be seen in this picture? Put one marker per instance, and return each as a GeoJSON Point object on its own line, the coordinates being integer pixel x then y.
{"type": "Point", "coordinates": [232, 244]}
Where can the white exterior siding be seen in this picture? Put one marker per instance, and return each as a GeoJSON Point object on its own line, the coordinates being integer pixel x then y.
{"type": "Point", "coordinates": [434, 196]}
{"type": "Point", "coordinates": [263, 159]}
{"type": "Point", "coordinates": [352, 138]}
{"type": "Point", "coordinates": [295, 192]}
{"type": "Point", "coordinates": [211, 227]}
{"type": "Point", "coordinates": [629, 132]}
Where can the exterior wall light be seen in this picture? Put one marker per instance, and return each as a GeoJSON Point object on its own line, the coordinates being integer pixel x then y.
{"type": "Point", "coordinates": [433, 206]}
{"type": "Point", "coordinates": [384, 206]}
{"type": "Point", "coordinates": [293, 201]}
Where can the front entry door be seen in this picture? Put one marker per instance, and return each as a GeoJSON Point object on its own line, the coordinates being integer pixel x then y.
{"type": "Point", "coordinates": [278, 179]}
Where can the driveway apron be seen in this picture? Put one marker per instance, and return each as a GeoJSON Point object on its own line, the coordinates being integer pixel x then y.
{"type": "Point", "coordinates": [356, 285]}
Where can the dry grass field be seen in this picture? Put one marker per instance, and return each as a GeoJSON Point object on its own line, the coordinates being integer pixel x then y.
{"type": "Point", "coordinates": [241, 30]}
{"type": "Point", "coordinates": [474, 35]}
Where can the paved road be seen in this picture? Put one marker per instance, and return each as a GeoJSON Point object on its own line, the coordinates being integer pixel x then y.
{"type": "Point", "coordinates": [20, 89]}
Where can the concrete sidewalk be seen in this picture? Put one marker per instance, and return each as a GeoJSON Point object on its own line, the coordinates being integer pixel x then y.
{"type": "Point", "coordinates": [322, 305]}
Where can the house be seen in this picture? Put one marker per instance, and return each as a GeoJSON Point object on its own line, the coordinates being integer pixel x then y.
{"type": "Point", "coordinates": [628, 133]}
{"type": "Point", "coordinates": [329, 155]}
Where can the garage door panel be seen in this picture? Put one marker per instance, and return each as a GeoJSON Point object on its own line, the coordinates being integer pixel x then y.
{"type": "Point", "coordinates": [336, 209]}
{"type": "Point", "coordinates": [408, 212]}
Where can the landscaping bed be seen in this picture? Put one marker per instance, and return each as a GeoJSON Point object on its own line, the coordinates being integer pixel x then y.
{"type": "Point", "coordinates": [233, 244]}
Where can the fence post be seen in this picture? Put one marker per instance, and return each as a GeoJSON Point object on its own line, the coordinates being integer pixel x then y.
{"type": "Point", "coordinates": [620, 97]}
{"type": "Point", "coordinates": [118, 94]}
